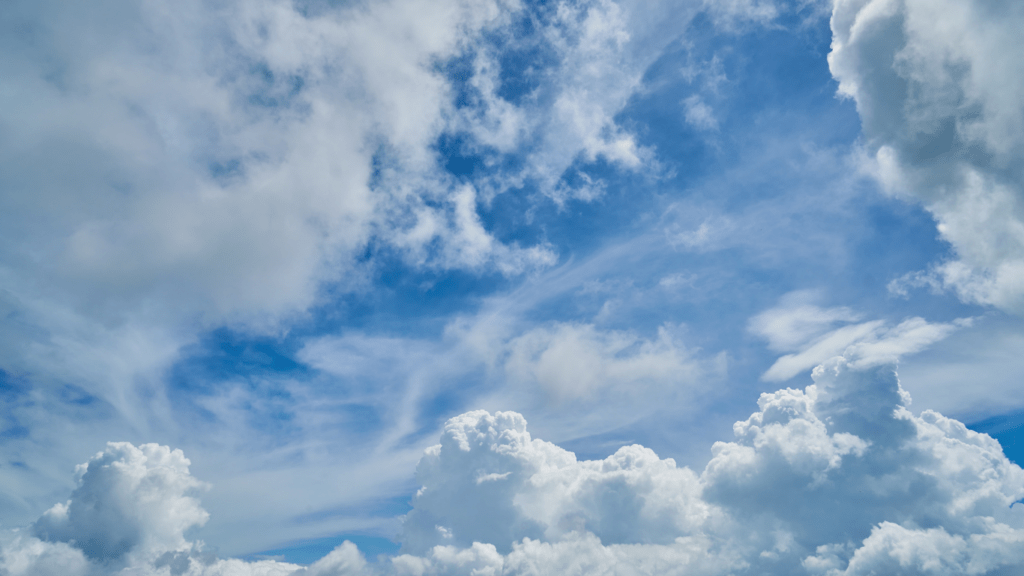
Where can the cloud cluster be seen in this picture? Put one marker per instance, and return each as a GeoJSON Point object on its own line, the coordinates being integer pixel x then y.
{"type": "Point", "coordinates": [228, 159]}
{"type": "Point", "coordinates": [938, 86]}
{"type": "Point", "coordinates": [168, 168]}
{"type": "Point", "coordinates": [836, 479]}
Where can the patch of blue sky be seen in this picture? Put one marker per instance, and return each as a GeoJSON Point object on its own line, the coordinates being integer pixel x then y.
{"type": "Point", "coordinates": [309, 551]}
{"type": "Point", "coordinates": [1008, 429]}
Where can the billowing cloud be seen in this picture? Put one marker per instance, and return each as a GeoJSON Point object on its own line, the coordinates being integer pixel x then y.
{"type": "Point", "coordinates": [938, 86]}
{"type": "Point", "coordinates": [838, 479]}
{"type": "Point", "coordinates": [128, 499]}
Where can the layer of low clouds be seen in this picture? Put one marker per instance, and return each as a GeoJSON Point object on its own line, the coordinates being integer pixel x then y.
{"type": "Point", "coordinates": [836, 479]}
{"type": "Point", "coordinates": [938, 86]}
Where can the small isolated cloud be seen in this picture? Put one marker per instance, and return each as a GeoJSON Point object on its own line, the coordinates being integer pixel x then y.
{"type": "Point", "coordinates": [698, 114]}
{"type": "Point", "coordinates": [838, 479]}
{"type": "Point", "coordinates": [809, 333]}
{"type": "Point", "coordinates": [736, 12]}
{"type": "Point", "coordinates": [712, 233]}
{"type": "Point", "coordinates": [938, 86]}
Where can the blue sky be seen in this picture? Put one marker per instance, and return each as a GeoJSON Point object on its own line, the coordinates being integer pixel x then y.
{"type": "Point", "coordinates": [293, 239]}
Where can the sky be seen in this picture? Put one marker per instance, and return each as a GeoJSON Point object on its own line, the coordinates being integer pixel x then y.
{"type": "Point", "coordinates": [524, 287]}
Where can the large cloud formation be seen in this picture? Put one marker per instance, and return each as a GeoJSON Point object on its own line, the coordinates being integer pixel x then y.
{"type": "Point", "coordinates": [939, 86]}
{"type": "Point", "coordinates": [837, 479]}
{"type": "Point", "coordinates": [171, 167]}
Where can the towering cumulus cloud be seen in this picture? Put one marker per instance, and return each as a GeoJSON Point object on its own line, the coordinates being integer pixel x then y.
{"type": "Point", "coordinates": [939, 86]}
{"type": "Point", "coordinates": [837, 479]}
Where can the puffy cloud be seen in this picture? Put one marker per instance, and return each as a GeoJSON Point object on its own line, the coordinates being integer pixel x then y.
{"type": "Point", "coordinates": [799, 326]}
{"type": "Point", "coordinates": [127, 499]}
{"type": "Point", "coordinates": [839, 478]}
{"type": "Point", "coordinates": [938, 86]}
{"type": "Point", "coordinates": [836, 479]}
{"type": "Point", "coordinates": [509, 486]}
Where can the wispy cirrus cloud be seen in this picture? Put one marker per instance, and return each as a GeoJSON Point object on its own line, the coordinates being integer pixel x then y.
{"type": "Point", "coordinates": [809, 333]}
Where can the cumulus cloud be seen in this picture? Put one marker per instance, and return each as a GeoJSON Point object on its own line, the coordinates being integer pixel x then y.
{"type": "Point", "coordinates": [127, 499]}
{"type": "Point", "coordinates": [938, 86]}
{"type": "Point", "coordinates": [809, 333]}
{"type": "Point", "coordinates": [839, 478]}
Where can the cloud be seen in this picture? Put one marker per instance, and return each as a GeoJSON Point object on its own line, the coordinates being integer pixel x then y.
{"type": "Point", "coordinates": [576, 361]}
{"type": "Point", "coordinates": [797, 320]}
{"type": "Point", "coordinates": [836, 479]}
{"type": "Point", "coordinates": [127, 499]}
{"type": "Point", "coordinates": [698, 114]}
{"type": "Point", "coordinates": [734, 12]}
{"type": "Point", "coordinates": [170, 168]}
{"type": "Point", "coordinates": [806, 330]}
{"type": "Point", "coordinates": [845, 445]}
{"type": "Point", "coordinates": [938, 87]}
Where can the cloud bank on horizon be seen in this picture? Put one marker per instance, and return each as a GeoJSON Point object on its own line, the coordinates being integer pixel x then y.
{"type": "Point", "coordinates": [296, 238]}
{"type": "Point", "coordinates": [837, 479]}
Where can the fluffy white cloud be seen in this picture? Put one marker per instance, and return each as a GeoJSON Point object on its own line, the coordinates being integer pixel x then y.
{"type": "Point", "coordinates": [836, 479]}
{"type": "Point", "coordinates": [510, 486]}
{"type": "Point", "coordinates": [938, 86]}
{"type": "Point", "coordinates": [128, 499]}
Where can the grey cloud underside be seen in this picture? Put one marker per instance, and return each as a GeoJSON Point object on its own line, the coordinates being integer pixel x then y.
{"type": "Point", "coordinates": [939, 86]}
{"type": "Point", "coordinates": [836, 479]}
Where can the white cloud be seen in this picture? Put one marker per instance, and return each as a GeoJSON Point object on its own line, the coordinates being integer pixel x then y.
{"type": "Point", "coordinates": [938, 86]}
{"type": "Point", "coordinates": [128, 499]}
{"type": "Point", "coordinates": [807, 331]}
{"type": "Point", "coordinates": [797, 321]}
{"type": "Point", "coordinates": [735, 12]}
{"type": "Point", "coordinates": [603, 378]}
{"type": "Point", "coordinates": [698, 114]}
{"type": "Point", "coordinates": [576, 361]}
{"type": "Point", "coordinates": [167, 168]}
{"type": "Point", "coordinates": [837, 479]}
